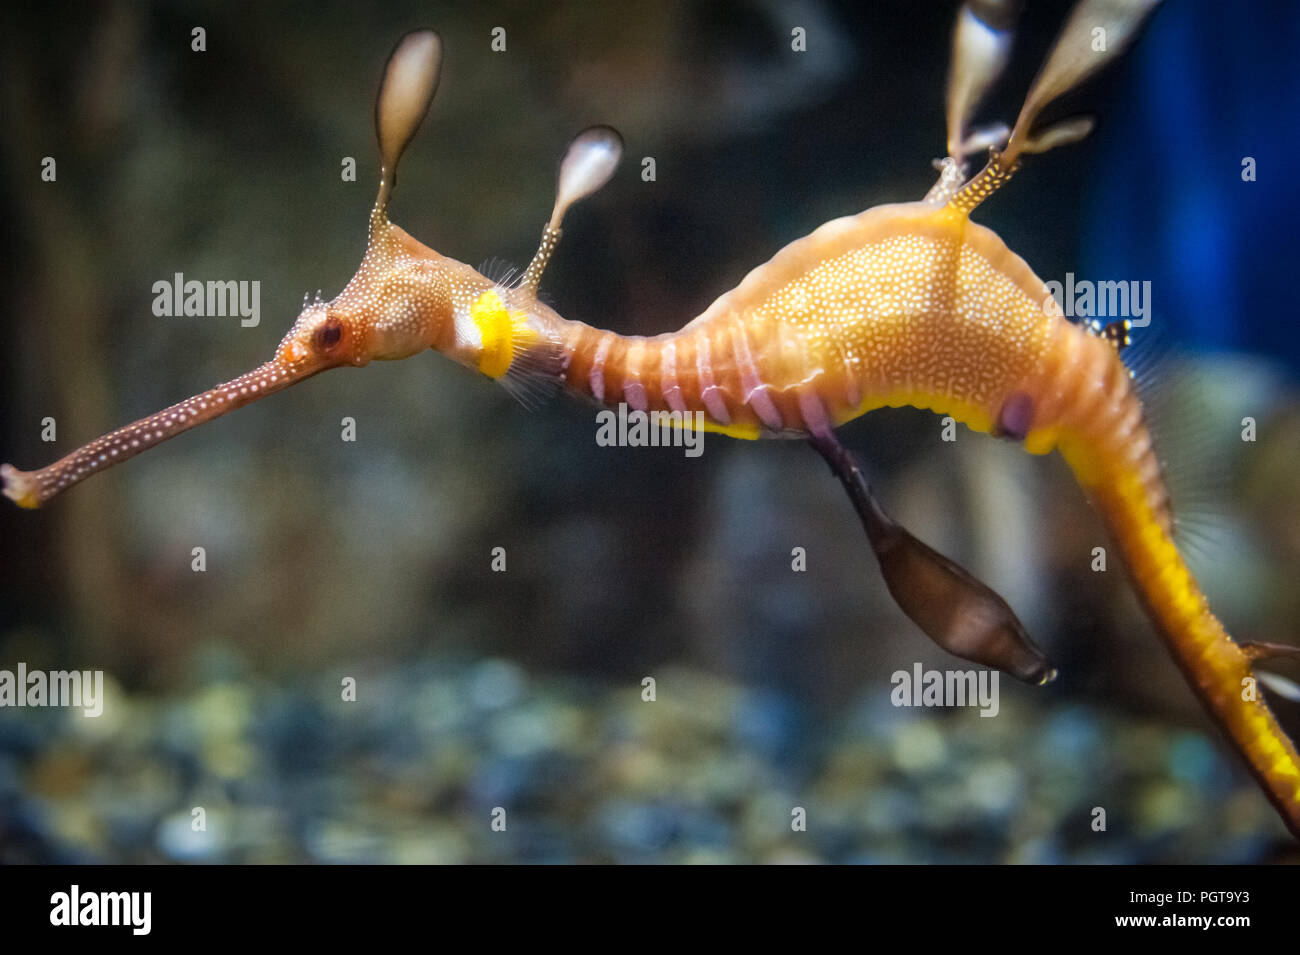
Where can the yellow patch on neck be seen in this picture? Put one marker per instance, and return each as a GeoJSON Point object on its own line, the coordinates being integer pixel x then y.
{"type": "Point", "coordinates": [500, 331]}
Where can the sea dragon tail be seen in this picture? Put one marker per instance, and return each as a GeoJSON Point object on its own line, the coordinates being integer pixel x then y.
{"type": "Point", "coordinates": [1216, 666]}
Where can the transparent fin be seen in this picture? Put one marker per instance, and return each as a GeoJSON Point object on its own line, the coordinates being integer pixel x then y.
{"type": "Point", "coordinates": [536, 373]}
{"type": "Point", "coordinates": [993, 136]}
{"type": "Point", "coordinates": [1096, 33]}
{"type": "Point", "coordinates": [1064, 133]}
{"type": "Point", "coordinates": [981, 45]}
{"type": "Point", "coordinates": [405, 94]}
{"type": "Point", "coordinates": [588, 164]}
{"type": "Point", "coordinates": [536, 369]}
{"type": "Point", "coordinates": [1283, 687]}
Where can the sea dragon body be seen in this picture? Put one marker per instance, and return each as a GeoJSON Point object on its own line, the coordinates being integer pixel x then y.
{"type": "Point", "coordinates": [903, 304]}
{"type": "Point", "coordinates": [910, 305]}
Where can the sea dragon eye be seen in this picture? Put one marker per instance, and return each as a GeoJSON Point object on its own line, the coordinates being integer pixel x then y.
{"type": "Point", "coordinates": [328, 335]}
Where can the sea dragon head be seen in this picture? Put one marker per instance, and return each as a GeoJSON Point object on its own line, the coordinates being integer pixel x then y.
{"type": "Point", "coordinates": [404, 299]}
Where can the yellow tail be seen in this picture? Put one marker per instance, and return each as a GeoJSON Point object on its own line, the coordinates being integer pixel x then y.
{"type": "Point", "coordinates": [1218, 668]}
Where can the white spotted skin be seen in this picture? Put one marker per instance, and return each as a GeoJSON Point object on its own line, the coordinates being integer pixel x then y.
{"type": "Point", "coordinates": [401, 301]}
{"type": "Point", "coordinates": [396, 305]}
{"type": "Point", "coordinates": [32, 488]}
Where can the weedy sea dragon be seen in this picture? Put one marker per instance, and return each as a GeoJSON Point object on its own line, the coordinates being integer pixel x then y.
{"type": "Point", "coordinates": [903, 304]}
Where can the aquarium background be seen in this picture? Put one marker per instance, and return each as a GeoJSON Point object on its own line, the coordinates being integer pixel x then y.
{"type": "Point", "coordinates": [523, 690]}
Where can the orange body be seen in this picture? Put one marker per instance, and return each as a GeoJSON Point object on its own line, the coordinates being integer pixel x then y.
{"type": "Point", "coordinates": [912, 305]}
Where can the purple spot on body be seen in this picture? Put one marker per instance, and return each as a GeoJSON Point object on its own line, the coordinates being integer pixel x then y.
{"type": "Point", "coordinates": [634, 395]}
{"type": "Point", "coordinates": [815, 418]}
{"type": "Point", "coordinates": [1016, 416]}
{"type": "Point", "coordinates": [765, 408]}
{"type": "Point", "coordinates": [717, 407]}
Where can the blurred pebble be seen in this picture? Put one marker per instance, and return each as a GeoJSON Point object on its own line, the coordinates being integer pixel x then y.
{"type": "Point", "coordinates": [918, 746]}
{"type": "Point", "coordinates": [494, 684]}
{"type": "Point", "coordinates": [707, 773]}
{"type": "Point", "coordinates": [178, 839]}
